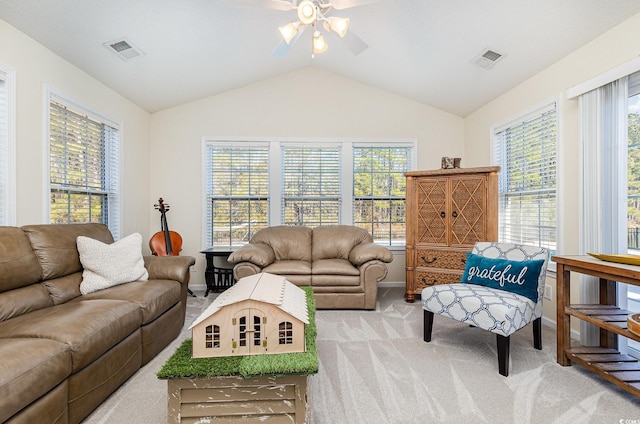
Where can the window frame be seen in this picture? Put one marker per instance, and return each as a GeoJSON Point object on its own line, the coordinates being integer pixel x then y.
{"type": "Point", "coordinates": [8, 147]}
{"type": "Point", "coordinates": [275, 174]}
{"type": "Point", "coordinates": [114, 164]}
{"type": "Point", "coordinates": [553, 104]}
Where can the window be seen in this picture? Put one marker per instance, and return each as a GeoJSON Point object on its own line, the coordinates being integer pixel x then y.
{"type": "Point", "coordinates": [83, 152]}
{"type": "Point", "coordinates": [285, 334]}
{"type": "Point", "coordinates": [250, 185]}
{"type": "Point", "coordinates": [7, 147]}
{"type": "Point", "coordinates": [311, 186]}
{"type": "Point", "coordinates": [237, 192]}
{"type": "Point", "coordinates": [525, 150]}
{"type": "Point", "coordinates": [633, 192]}
{"type": "Point", "coordinates": [212, 336]}
{"type": "Point", "coordinates": [379, 188]}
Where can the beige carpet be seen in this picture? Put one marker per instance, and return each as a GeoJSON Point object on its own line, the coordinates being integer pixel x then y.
{"type": "Point", "coordinates": [375, 369]}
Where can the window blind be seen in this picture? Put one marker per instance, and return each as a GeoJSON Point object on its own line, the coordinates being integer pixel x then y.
{"type": "Point", "coordinates": [311, 185]}
{"type": "Point", "coordinates": [526, 153]}
{"type": "Point", "coordinates": [379, 191]}
{"type": "Point", "coordinates": [84, 171]}
{"type": "Point", "coordinates": [237, 192]}
{"type": "Point", "coordinates": [4, 151]}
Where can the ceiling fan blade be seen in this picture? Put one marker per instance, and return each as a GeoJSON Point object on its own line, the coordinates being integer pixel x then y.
{"type": "Point", "coordinates": [282, 49]}
{"type": "Point", "coordinates": [345, 4]}
{"type": "Point", "coordinates": [260, 4]}
{"type": "Point", "coordinates": [354, 43]}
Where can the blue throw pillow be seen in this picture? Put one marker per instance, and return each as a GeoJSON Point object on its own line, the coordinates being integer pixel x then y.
{"type": "Point", "coordinates": [519, 277]}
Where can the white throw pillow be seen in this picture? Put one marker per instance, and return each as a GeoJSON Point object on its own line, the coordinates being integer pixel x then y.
{"type": "Point", "coordinates": [107, 265]}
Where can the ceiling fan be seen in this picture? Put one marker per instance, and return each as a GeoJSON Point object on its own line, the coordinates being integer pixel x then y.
{"type": "Point", "coordinates": [314, 14]}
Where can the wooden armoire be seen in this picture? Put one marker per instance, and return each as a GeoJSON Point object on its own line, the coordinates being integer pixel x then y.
{"type": "Point", "coordinates": [448, 210]}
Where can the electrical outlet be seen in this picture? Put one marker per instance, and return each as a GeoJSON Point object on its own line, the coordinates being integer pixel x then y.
{"type": "Point", "coordinates": [548, 292]}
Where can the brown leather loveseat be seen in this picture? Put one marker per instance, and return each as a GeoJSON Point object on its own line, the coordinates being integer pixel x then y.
{"type": "Point", "coordinates": [340, 262]}
{"type": "Point", "coordinates": [62, 352]}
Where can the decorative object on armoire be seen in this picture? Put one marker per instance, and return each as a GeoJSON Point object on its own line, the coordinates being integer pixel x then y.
{"type": "Point", "coordinates": [448, 211]}
{"type": "Point", "coordinates": [501, 292]}
{"type": "Point", "coordinates": [450, 163]}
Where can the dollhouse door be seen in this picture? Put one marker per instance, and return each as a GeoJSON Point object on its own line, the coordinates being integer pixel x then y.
{"type": "Point", "coordinates": [250, 332]}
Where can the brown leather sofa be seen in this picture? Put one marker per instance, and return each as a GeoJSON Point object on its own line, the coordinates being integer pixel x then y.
{"type": "Point", "coordinates": [63, 353]}
{"type": "Point", "coordinates": [340, 262]}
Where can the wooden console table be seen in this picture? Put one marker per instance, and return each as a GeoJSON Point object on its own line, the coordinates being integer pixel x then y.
{"type": "Point", "coordinates": [605, 359]}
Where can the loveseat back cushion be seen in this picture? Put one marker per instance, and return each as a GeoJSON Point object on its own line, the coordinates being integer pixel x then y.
{"type": "Point", "coordinates": [55, 245]}
{"type": "Point", "coordinates": [288, 242]}
{"type": "Point", "coordinates": [336, 241]}
{"type": "Point", "coordinates": [18, 263]}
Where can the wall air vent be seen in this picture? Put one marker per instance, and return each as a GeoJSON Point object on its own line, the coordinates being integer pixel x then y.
{"type": "Point", "coordinates": [124, 49]}
{"type": "Point", "coordinates": [487, 59]}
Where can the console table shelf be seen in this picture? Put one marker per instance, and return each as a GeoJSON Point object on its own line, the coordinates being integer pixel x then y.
{"type": "Point", "coordinates": [604, 360]}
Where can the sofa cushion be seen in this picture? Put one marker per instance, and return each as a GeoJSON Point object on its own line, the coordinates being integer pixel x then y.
{"type": "Point", "coordinates": [289, 267]}
{"type": "Point", "coordinates": [55, 245]}
{"type": "Point", "coordinates": [30, 368]}
{"type": "Point", "coordinates": [288, 242]}
{"type": "Point", "coordinates": [336, 241]}
{"type": "Point", "coordinates": [154, 296]}
{"type": "Point", "coordinates": [334, 267]}
{"type": "Point", "coordinates": [19, 266]}
{"type": "Point", "coordinates": [107, 265]}
{"type": "Point", "coordinates": [23, 300]}
{"type": "Point", "coordinates": [88, 327]}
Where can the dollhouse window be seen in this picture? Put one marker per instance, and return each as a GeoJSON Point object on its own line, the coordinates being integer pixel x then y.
{"type": "Point", "coordinates": [212, 336]}
{"type": "Point", "coordinates": [256, 331]}
{"type": "Point", "coordinates": [285, 335]}
{"type": "Point", "coordinates": [243, 331]}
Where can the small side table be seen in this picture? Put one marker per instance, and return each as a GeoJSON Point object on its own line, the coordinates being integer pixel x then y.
{"type": "Point", "coordinates": [217, 278]}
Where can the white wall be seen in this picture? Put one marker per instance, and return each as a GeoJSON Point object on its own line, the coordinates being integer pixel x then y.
{"type": "Point", "coordinates": [36, 66]}
{"type": "Point", "coordinates": [608, 51]}
{"type": "Point", "coordinates": [309, 103]}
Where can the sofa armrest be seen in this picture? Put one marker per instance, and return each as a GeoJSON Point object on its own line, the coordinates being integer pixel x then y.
{"type": "Point", "coordinates": [256, 253]}
{"type": "Point", "coordinates": [366, 252]}
{"type": "Point", "coordinates": [169, 267]}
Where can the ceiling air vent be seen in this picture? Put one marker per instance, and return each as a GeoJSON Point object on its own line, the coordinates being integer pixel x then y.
{"type": "Point", "coordinates": [487, 59]}
{"type": "Point", "coordinates": [124, 49]}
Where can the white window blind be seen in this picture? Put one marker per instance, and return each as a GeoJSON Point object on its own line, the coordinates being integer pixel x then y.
{"type": "Point", "coordinates": [237, 192]}
{"type": "Point", "coordinates": [526, 152]}
{"type": "Point", "coordinates": [311, 185]}
{"type": "Point", "coordinates": [84, 167]}
{"type": "Point", "coordinates": [379, 191]}
{"type": "Point", "coordinates": [7, 147]}
{"type": "Point", "coordinates": [4, 152]}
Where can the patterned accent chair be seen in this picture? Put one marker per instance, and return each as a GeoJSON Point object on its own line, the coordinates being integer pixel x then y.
{"type": "Point", "coordinates": [498, 311]}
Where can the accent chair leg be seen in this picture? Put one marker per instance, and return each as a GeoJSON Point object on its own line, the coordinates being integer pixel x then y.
{"type": "Point", "coordinates": [503, 354]}
{"type": "Point", "coordinates": [428, 325]}
{"type": "Point", "coordinates": [537, 333]}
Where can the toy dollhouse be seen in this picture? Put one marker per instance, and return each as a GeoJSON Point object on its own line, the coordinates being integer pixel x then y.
{"type": "Point", "coordinates": [260, 314]}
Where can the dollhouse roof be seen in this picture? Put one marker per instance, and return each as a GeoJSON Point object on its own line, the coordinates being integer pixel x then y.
{"type": "Point", "coordinates": [262, 287]}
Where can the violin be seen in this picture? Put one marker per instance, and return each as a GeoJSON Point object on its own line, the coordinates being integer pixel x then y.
{"type": "Point", "coordinates": [165, 242]}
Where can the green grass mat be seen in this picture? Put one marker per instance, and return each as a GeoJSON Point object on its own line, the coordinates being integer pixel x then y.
{"type": "Point", "coordinates": [182, 365]}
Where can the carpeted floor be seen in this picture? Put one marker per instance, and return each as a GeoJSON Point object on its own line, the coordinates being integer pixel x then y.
{"type": "Point", "coordinates": [375, 369]}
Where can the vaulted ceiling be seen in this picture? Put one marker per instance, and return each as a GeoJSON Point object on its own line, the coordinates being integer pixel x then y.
{"type": "Point", "coordinates": [420, 49]}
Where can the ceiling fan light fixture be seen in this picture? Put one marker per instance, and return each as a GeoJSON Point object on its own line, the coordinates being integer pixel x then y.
{"type": "Point", "coordinates": [319, 45]}
{"type": "Point", "coordinates": [307, 11]}
{"type": "Point", "coordinates": [339, 25]}
{"type": "Point", "coordinates": [289, 31]}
